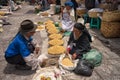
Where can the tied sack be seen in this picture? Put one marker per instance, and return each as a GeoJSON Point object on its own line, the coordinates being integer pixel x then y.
{"type": "Point", "coordinates": [84, 68]}
{"type": "Point", "coordinates": [94, 57]}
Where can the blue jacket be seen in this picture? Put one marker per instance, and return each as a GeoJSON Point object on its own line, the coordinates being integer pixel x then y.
{"type": "Point", "coordinates": [19, 45]}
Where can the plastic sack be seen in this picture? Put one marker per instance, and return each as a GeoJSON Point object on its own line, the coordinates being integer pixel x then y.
{"type": "Point", "coordinates": [42, 57]}
{"type": "Point", "coordinates": [84, 68]}
{"type": "Point", "coordinates": [93, 56]}
{"type": "Point", "coordinates": [67, 67]}
{"type": "Point", "coordinates": [96, 10]}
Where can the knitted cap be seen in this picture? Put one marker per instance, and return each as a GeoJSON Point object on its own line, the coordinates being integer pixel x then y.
{"type": "Point", "coordinates": [27, 26]}
{"type": "Point", "coordinates": [69, 3]}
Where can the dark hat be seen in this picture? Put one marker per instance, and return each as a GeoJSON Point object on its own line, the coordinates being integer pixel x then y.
{"type": "Point", "coordinates": [79, 26]}
{"type": "Point", "coordinates": [27, 26]}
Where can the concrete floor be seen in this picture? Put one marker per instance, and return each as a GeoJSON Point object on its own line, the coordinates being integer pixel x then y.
{"type": "Point", "coordinates": [109, 69]}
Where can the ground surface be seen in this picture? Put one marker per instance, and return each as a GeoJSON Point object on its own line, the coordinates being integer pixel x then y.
{"type": "Point", "coordinates": [110, 48]}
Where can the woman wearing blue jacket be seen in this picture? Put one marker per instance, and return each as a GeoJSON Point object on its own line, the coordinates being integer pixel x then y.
{"type": "Point", "coordinates": [20, 49]}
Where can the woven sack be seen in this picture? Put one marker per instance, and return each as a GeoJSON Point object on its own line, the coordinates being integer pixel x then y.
{"type": "Point", "coordinates": [80, 1]}
{"type": "Point", "coordinates": [81, 12]}
{"type": "Point", "coordinates": [108, 6]}
{"type": "Point", "coordinates": [104, 6]}
{"type": "Point", "coordinates": [110, 29]}
{"type": "Point", "coordinates": [111, 16]}
{"type": "Point", "coordinates": [94, 14]}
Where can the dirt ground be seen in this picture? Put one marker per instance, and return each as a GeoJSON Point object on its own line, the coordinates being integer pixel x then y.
{"type": "Point", "coordinates": [112, 43]}
{"type": "Point", "coordinates": [110, 48]}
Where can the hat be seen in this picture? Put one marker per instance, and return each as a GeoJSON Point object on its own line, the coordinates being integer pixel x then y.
{"type": "Point", "coordinates": [68, 3]}
{"type": "Point", "coordinates": [79, 26]}
{"type": "Point", "coordinates": [27, 26]}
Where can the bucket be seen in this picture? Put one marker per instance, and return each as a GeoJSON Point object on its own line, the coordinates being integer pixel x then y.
{"type": "Point", "coordinates": [52, 8]}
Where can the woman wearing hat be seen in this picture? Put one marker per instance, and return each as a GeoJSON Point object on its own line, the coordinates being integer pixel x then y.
{"type": "Point", "coordinates": [68, 16]}
{"type": "Point", "coordinates": [20, 49]}
{"type": "Point", "coordinates": [79, 41]}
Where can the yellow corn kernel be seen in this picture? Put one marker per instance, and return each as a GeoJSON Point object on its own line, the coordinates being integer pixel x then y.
{"type": "Point", "coordinates": [67, 62]}
{"type": "Point", "coordinates": [55, 42]}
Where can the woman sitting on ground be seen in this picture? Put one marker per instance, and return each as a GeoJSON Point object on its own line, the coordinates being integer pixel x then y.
{"type": "Point", "coordinates": [79, 41]}
{"type": "Point", "coordinates": [21, 48]}
{"type": "Point", "coordinates": [68, 18]}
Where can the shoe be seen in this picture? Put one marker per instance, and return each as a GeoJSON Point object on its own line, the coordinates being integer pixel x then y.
{"type": "Point", "coordinates": [23, 67]}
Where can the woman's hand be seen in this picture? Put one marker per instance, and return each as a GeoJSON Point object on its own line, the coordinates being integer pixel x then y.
{"type": "Point", "coordinates": [66, 52]}
{"type": "Point", "coordinates": [37, 48]}
{"type": "Point", "coordinates": [74, 56]}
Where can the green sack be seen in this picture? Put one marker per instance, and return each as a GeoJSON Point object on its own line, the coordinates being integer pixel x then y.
{"type": "Point", "coordinates": [93, 56]}
{"type": "Point", "coordinates": [67, 33]}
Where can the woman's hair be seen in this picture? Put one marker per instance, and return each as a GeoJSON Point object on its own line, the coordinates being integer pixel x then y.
{"type": "Point", "coordinates": [79, 26]}
{"type": "Point", "coordinates": [82, 28]}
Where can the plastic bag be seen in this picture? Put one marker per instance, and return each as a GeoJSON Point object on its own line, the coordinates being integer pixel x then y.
{"type": "Point", "coordinates": [93, 56]}
{"type": "Point", "coordinates": [42, 57]}
{"type": "Point", "coordinates": [84, 68]}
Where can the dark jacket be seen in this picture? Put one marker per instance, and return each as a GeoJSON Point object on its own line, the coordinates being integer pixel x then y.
{"type": "Point", "coordinates": [81, 45]}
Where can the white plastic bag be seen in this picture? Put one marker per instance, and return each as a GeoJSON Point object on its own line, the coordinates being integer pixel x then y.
{"type": "Point", "coordinates": [42, 57]}
{"type": "Point", "coordinates": [67, 67]}
{"type": "Point", "coordinates": [81, 20]}
{"type": "Point", "coordinates": [32, 61]}
{"type": "Point", "coordinates": [35, 62]}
